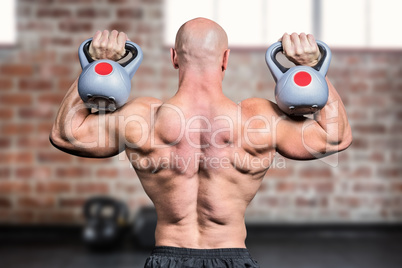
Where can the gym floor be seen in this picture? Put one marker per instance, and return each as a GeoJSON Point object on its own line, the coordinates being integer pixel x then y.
{"type": "Point", "coordinates": [301, 248]}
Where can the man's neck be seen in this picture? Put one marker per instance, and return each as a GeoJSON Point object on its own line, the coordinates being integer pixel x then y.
{"type": "Point", "coordinates": [207, 85]}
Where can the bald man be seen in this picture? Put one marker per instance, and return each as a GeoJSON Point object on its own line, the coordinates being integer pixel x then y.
{"type": "Point", "coordinates": [199, 156]}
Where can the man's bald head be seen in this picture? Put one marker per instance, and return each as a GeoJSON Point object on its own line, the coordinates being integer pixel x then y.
{"type": "Point", "coordinates": [201, 43]}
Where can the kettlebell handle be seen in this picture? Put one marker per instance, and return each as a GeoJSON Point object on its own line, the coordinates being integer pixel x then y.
{"type": "Point", "coordinates": [130, 65]}
{"type": "Point", "coordinates": [278, 70]}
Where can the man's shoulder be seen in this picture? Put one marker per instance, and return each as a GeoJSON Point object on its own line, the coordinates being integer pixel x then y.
{"type": "Point", "coordinates": [257, 106]}
{"type": "Point", "coordinates": [148, 101]}
{"type": "Point", "coordinates": [142, 105]}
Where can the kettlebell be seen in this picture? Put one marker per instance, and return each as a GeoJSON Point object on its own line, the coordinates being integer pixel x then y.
{"type": "Point", "coordinates": [106, 219]}
{"type": "Point", "coordinates": [143, 228]}
{"type": "Point", "coordinates": [106, 84]}
{"type": "Point", "coordinates": [299, 90]}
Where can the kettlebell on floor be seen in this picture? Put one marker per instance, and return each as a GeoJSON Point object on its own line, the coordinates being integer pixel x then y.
{"type": "Point", "coordinates": [106, 222]}
{"type": "Point", "coordinates": [106, 84]}
{"type": "Point", "coordinates": [299, 90]}
{"type": "Point", "coordinates": [143, 228]}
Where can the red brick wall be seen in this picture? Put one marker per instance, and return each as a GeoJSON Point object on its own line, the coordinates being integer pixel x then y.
{"type": "Point", "coordinates": [39, 184]}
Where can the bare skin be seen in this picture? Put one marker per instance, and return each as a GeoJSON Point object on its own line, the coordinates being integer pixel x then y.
{"type": "Point", "coordinates": [201, 157]}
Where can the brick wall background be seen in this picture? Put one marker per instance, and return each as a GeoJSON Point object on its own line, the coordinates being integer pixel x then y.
{"type": "Point", "coordinates": [41, 185]}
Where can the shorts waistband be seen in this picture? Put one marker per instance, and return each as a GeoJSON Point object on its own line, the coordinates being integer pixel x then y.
{"type": "Point", "coordinates": [202, 253]}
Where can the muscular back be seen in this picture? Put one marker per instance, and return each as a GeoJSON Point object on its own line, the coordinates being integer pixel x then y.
{"type": "Point", "coordinates": [201, 169]}
{"type": "Point", "coordinates": [199, 156]}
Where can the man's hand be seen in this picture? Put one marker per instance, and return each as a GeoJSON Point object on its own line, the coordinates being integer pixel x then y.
{"type": "Point", "coordinates": [108, 46]}
{"type": "Point", "coordinates": [300, 49]}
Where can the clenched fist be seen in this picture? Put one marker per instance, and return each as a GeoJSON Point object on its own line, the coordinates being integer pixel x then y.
{"type": "Point", "coordinates": [300, 49]}
{"type": "Point", "coordinates": [108, 46]}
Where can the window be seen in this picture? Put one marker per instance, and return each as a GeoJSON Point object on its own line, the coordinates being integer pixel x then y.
{"type": "Point", "coordinates": [251, 23]}
{"type": "Point", "coordinates": [362, 23]}
{"type": "Point", "coordinates": [341, 23]}
{"type": "Point", "coordinates": [7, 22]}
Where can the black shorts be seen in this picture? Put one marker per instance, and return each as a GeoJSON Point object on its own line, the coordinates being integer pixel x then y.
{"type": "Point", "coordinates": [172, 257]}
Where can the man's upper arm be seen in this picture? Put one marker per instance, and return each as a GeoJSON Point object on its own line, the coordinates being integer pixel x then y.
{"type": "Point", "coordinates": [302, 139]}
{"type": "Point", "coordinates": [298, 138]}
{"type": "Point", "coordinates": [106, 134]}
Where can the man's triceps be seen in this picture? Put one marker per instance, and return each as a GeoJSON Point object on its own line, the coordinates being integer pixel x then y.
{"type": "Point", "coordinates": [299, 140]}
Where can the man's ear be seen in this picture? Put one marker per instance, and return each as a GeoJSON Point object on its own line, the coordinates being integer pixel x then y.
{"type": "Point", "coordinates": [173, 57]}
{"type": "Point", "coordinates": [225, 59]}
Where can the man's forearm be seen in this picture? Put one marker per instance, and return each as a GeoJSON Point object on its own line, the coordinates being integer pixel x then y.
{"type": "Point", "coordinates": [333, 119]}
{"type": "Point", "coordinates": [70, 116]}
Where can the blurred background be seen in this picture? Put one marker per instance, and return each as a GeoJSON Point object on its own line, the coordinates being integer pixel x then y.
{"type": "Point", "coordinates": [43, 188]}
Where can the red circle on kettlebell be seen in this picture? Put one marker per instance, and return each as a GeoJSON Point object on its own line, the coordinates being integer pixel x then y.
{"type": "Point", "coordinates": [103, 68]}
{"type": "Point", "coordinates": [302, 79]}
